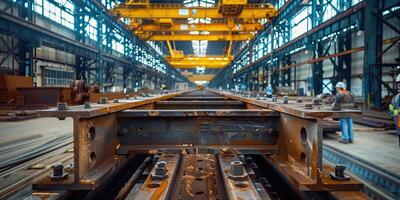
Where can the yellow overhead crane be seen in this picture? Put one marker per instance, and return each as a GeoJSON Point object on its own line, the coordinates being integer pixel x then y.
{"type": "Point", "coordinates": [138, 27]}
{"type": "Point", "coordinates": [200, 77]}
{"type": "Point", "coordinates": [209, 37]}
{"type": "Point", "coordinates": [156, 21]}
{"type": "Point", "coordinates": [145, 10]}
{"type": "Point", "coordinates": [231, 20]}
{"type": "Point", "coordinates": [210, 62]}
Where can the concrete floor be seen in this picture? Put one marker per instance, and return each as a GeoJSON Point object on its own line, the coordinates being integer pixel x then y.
{"type": "Point", "coordinates": [18, 138]}
{"type": "Point", "coordinates": [378, 147]}
{"type": "Point", "coordinates": [34, 128]}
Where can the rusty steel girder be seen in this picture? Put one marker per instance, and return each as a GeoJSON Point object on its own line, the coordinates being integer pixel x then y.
{"type": "Point", "coordinates": [198, 123]}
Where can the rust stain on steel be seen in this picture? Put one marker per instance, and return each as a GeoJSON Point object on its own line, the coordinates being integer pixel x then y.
{"type": "Point", "coordinates": [155, 189]}
{"type": "Point", "coordinates": [157, 194]}
{"type": "Point", "coordinates": [292, 108]}
{"type": "Point", "coordinates": [102, 109]}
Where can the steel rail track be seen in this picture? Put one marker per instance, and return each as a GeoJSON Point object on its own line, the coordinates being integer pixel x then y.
{"type": "Point", "coordinates": [27, 158]}
{"type": "Point", "coordinates": [379, 183]}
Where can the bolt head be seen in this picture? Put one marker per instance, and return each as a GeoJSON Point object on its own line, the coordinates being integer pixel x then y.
{"type": "Point", "coordinates": [62, 106]}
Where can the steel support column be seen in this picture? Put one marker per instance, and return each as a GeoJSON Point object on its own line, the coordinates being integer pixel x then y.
{"type": "Point", "coordinates": [373, 47]}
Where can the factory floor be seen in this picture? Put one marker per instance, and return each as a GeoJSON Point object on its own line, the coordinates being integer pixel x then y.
{"type": "Point", "coordinates": [378, 147]}
{"type": "Point", "coordinates": [20, 138]}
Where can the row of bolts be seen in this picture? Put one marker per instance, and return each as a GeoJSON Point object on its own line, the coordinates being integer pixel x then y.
{"type": "Point", "coordinates": [87, 105]}
{"type": "Point", "coordinates": [315, 102]}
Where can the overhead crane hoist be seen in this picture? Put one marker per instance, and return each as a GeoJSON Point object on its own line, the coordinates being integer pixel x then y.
{"type": "Point", "coordinates": [152, 21]}
{"type": "Point", "coordinates": [229, 20]}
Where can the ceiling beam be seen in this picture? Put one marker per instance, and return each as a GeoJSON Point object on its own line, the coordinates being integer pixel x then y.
{"type": "Point", "coordinates": [197, 27]}
{"type": "Point", "coordinates": [179, 11]}
{"type": "Point", "coordinates": [188, 37]}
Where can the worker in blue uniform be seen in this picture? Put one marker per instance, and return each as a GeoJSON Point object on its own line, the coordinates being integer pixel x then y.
{"type": "Point", "coordinates": [269, 91]}
{"type": "Point", "coordinates": [346, 100]}
{"type": "Point", "coordinates": [394, 107]}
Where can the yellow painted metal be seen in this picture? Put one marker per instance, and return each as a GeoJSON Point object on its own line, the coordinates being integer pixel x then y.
{"type": "Point", "coordinates": [139, 3]}
{"type": "Point", "coordinates": [198, 27]}
{"type": "Point", "coordinates": [179, 11]}
{"type": "Point", "coordinates": [201, 58]}
{"type": "Point", "coordinates": [200, 77]}
{"type": "Point", "coordinates": [234, 2]}
{"type": "Point", "coordinates": [190, 62]}
{"type": "Point", "coordinates": [230, 48]}
{"type": "Point", "coordinates": [231, 7]}
{"type": "Point", "coordinates": [177, 54]}
{"type": "Point", "coordinates": [188, 37]}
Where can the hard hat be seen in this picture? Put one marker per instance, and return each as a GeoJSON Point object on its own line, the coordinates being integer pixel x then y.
{"type": "Point", "coordinates": [398, 78]}
{"type": "Point", "coordinates": [340, 85]}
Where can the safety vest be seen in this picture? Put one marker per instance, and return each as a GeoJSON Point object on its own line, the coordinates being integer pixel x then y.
{"type": "Point", "coordinates": [394, 106]}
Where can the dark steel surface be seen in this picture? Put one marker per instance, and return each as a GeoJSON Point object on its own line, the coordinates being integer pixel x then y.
{"type": "Point", "coordinates": [103, 109]}
{"type": "Point", "coordinates": [292, 108]}
{"type": "Point", "coordinates": [199, 177]}
{"type": "Point", "coordinates": [199, 105]}
{"type": "Point", "coordinates": [229, 132]}
{"type": "Point", "coordinates": [199, 113]}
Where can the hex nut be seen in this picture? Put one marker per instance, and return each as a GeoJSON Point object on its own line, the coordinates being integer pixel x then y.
{"type": "Point", "coordinates": [308, 106]}
{"type": "Point", "coordinates": [339, 173]}
{"type": "Point", "coordinates": [62, 106]}
{"type": "Point", "coordinates": [237, 171]}
{"type": "Point", "coordinates": [58, 171]}
{"type": "Point", "coordinates": [87, 105]}
{"type": "Point", "coordinates": [103, 100]}
{"type": "Point", "coordinates": [316, 102]}
{"type": "Point", "coordinates": [160, 172]}
{"type": "Point", "coordinates": [299, 100]}
{"type": "Point", "coordinates": [115, 101]}
{"type": "Point", "coordinates": [285, 99]}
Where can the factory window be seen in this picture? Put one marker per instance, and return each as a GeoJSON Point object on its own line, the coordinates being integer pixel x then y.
{"type": "Point", "coordinates": [54, 77]}
{"type": "Point", "coordinates": [301, 23]}
{"type": "Point", "coordinates": [330, 9]}
{"type": "Point", "coordinates": [279, 3]}
{"type": "Point", "coordinates": [91, 27]}
{"type": "Point", "coordinates": [60, 11]}
{"type": "Point", "coordinates": [118, 43]}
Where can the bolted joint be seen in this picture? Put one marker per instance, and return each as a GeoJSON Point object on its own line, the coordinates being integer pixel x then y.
{"type": "Point", "coordinates": [115, 101]}
{"type": "Point", "coordinates": [87, 105]}
{"type": "Point", "coordinates": [103, 100]}
{"type": "Point", "coordinates": [58, 172]}
{"type": "Point", "coordinates": [62, 106]}
{"type": "Point", "coordinates": [299, 100]}
{"type": "Point", "coordinates": [316, 102]}
{"type": "Point", "coordinates": [237, 171]}
{"type": "Point", "coordinates": [160, 172]}
{"type": "Point", "coordinates": [285, 99]}
{"type": "Point", "coordinates": [339, 173]}
{"type": "Point", "coordinates": [274, 99]}
{"type": "Point", "coordinates": [308, 106]}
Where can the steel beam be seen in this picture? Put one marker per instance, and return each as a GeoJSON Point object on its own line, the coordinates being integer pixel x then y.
{"type": "Point", "coordinates": [138, 28]}
{"type": "Point", "coordinates": [179, 11]}
{"type": "Point", "coordinates": [189, 37]}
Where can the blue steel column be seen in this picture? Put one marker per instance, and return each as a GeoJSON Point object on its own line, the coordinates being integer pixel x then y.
{"type": "Point", "coordinates": [342, 71]}
{"type": "Point", "coordinates": [26, 47]}
{"type": "Point", "coordinates": [79, 27]}
{"type": "Point", "coordinates": [373, 47]}
{"type": "Point", "coordinates": [317, 71]}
